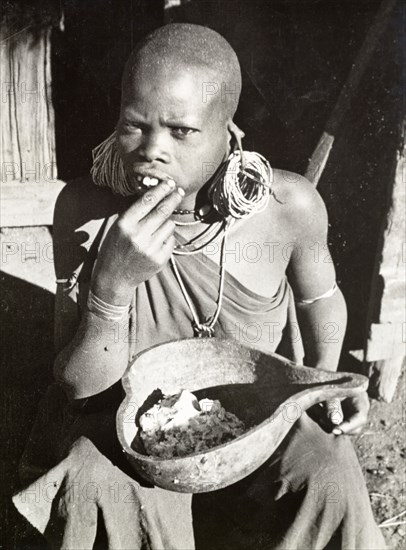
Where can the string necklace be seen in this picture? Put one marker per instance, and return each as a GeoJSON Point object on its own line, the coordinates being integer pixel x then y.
{"type": "Point", "coordinates": [194, 241]}
{"type": "Point", "coordinates": [194, 222]}
{"type": "Point", "coordinates": [204, 329]}
{"type": "Point", "coordinates": [193, 246]}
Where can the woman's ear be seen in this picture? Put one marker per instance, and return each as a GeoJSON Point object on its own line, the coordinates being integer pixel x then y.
{"type": "Point", "coordinates": [236, 135]}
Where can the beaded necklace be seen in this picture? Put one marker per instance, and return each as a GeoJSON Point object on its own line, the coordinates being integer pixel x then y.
{"type": "Point", "coordinates": [206, 328]}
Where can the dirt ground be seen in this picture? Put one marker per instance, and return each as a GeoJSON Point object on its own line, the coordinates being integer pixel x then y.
{"type": "Point", "coordinates": [381, 449]}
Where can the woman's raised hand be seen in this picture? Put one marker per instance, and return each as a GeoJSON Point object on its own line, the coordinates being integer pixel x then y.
{"type": "Point", "coordinates": [138, 244]}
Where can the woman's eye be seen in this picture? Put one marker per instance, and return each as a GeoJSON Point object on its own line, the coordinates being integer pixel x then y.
{"type": "Point", "coordinates": [129, 126]}
{"type": "Point", "coordinates": [182, 131]}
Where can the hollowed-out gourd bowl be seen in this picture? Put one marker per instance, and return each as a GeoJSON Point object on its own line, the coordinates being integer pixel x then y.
{"type": "Point", "coordinates": [266, 391]}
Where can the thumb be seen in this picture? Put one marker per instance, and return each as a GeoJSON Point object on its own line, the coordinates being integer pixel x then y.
{"type": "Point", "coordinates": [351, 426]}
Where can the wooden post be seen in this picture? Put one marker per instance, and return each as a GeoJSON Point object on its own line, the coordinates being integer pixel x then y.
{"type": "Point", "coordinates": [386, 343]}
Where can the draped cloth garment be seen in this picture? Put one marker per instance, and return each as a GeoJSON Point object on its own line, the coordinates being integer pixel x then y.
{"type": "Point", "coordinates": [80, 492]}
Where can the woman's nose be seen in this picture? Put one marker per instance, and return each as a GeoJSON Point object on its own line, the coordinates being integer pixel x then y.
{"type": "Point", "coordinates": [154, 147]}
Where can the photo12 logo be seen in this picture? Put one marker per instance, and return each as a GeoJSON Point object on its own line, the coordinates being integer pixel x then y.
{"type": "Point", "coordinates": [33, 172]}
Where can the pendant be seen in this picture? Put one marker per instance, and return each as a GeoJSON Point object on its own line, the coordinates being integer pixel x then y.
{"type": "Point", "coordinates": [203, 331]}
{"type": "Point", "coordinates": [204, 210]}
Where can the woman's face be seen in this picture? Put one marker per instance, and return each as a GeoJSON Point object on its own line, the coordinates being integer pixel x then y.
{"type": "Point", "coordinates": [170, 128]}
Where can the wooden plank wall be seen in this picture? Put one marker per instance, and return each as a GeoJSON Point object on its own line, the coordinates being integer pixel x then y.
{"type": "Point", "coordinates": [27, 123]}
{"type": "Point", "coordinates": [27, 129]}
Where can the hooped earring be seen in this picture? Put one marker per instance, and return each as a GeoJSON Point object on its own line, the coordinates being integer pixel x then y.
{"type": "Point", "coordinates": [108, 169]}
{"type": "Point", "coordinates": [243, 184]}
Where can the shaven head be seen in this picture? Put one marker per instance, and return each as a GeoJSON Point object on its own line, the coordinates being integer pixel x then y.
{"type": "Point", "coordinates": [181, 88]}
{"type": "Point", "coordinates": [191, 48]}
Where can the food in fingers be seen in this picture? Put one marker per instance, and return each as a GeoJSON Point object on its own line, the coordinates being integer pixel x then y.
{"type": "Point", "coordinates": [143, 206]}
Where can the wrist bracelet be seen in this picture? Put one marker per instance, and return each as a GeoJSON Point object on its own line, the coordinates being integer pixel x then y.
{"type": "Point", "coordinates": [106, 311]}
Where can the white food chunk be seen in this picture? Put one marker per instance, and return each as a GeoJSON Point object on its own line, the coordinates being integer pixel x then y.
{"type": "Point", "coordinates": [180, 424]}
{"type": "Point", "coordinates": [170, 412]}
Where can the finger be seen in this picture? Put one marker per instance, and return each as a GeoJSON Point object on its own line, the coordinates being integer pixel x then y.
{"type": "Point", "coordinates": [154, 219]}
{"type": "Point", "coordinates": [334, 411]}
{"type": "Point", "coordinates": [141, 207]}
{"type": "Point", "coordinates": [166, 249]}
{"type": "Point", "coordinates": [351, 426]}
{"type": "Point", "coordinates": [163, 232]}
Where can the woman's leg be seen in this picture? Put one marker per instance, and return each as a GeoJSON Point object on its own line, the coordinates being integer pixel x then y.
{"type": "Point", "coordinates": [310, 494]}
{"type": "Point", "coordinates": [86, 488]}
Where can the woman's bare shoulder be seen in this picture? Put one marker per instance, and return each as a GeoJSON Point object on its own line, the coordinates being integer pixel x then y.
{"type": "Point", "coordinates": [297, 200]}
{"type": "Point", "coordinates": [294, 211]}
{"type": "Point", "coordinates": [295, 191]}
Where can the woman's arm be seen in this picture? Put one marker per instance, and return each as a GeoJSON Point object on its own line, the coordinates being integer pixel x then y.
{"type": "Point", "coordinates": [138, 245]}
{"type": "Point", "coordinates": [323, 321]}
{"type": "Point", "coordinates": [92, 353]}
{"type": "Point", "coordinates": [322, 327]}
{"type": "Point", "coordinates": [312, 274]}
{"type": "Point", "coordinates": [95, 359]}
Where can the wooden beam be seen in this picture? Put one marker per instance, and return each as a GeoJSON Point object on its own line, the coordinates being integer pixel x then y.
{"type": "Point", "coordinates": [28, 204]}
{"type": "Point", "coordinates": [322, 151]}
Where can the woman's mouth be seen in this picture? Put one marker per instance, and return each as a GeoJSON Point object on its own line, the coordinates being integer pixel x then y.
{"type": "Point", "coordinates": [150, 178]}
{"type": "Point", "coordinates": [148, 181]}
